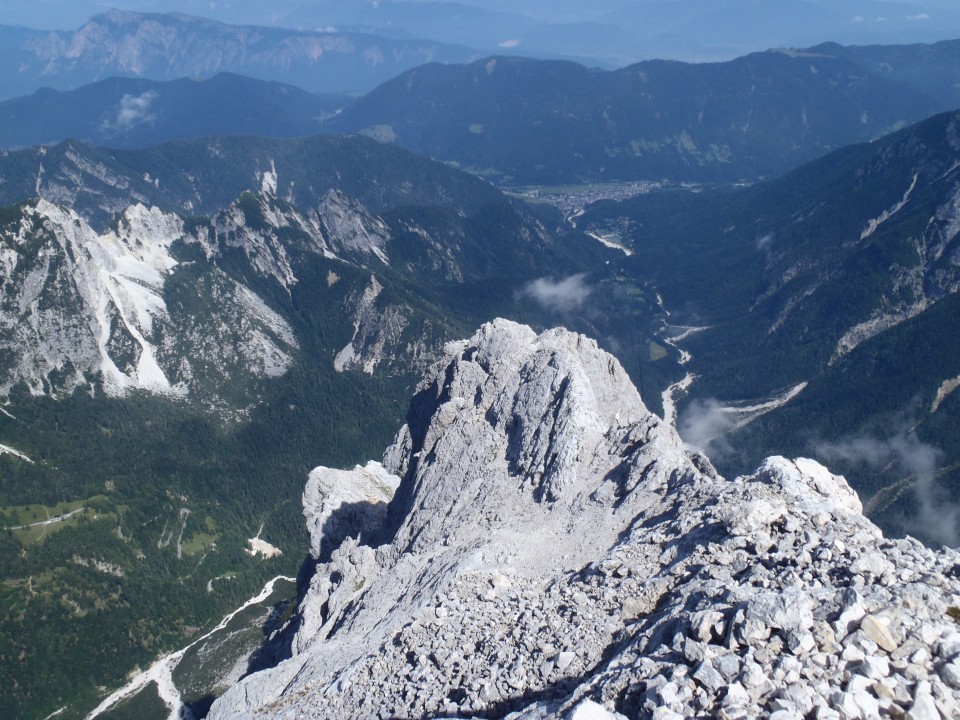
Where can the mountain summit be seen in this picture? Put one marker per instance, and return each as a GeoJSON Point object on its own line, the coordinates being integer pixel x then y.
{"type": "Point", "coordinates": [552, 549]}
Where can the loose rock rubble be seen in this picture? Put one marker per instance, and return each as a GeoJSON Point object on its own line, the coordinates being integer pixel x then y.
{"type": "Point", "coordinates": [553, 550]}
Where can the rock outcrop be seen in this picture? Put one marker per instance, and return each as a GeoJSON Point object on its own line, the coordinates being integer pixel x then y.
{"type": "Point", "coordinates": [553, 550]}
{"type": "Point", "coordinates": [78, 307]}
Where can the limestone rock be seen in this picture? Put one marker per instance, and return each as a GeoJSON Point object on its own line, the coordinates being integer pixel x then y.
{"type": "Point", "coordinates": [553, 551]}
{"type": "Point", "coordinates": [345, 503]}
{"type": "Point", "coordinates": [878, 631]}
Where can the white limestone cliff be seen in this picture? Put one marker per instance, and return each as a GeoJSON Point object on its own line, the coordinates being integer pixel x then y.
{"type": "Point", "coordinates": [82, 306]}
{"type": "Point", "coordinates": [553, 550]}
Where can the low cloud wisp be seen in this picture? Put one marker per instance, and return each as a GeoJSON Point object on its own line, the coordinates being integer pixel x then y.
{"type": "Point", "coordinates": [133, 110]}
{"type": "Point", "coordinates": [703, 424]}
{"type": "Point", "coordinates": [565, 295]}
{"type": "Point", "coordinates": [938, 518]}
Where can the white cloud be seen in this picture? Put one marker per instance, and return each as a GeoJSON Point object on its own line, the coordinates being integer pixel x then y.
{"type": "Point", "coordinates": [764, 246]}
{"type": "Point", "coordinates": [938, 518]}
{"type": "Point", "coordinates": [133, 110]}
{"type": "Point", "coordinates": [921, 16]}
{"type": "Point", "coordinates": [563, 295]}
{"type": "Point", "coordinates": [703, 424]}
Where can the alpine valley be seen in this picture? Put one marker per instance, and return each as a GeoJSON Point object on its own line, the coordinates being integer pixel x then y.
{"type": "Point", "coordinates": [817, 314]}
{"type": "Point", "coordinates": [213, 305]}
{"type": "Point", "coordinates": [187, 330]}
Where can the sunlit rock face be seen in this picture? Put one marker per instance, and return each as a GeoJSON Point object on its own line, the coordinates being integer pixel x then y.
{"type": "Point", "coordinates": [552, 549]}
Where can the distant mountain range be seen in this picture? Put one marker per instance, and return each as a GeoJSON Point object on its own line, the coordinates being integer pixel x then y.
{"type": "Point", "coordinates": [136, 112]}
{"type": "Point", "coordinates": [609, 34]}
{"type": "Point", "coordinates": [519, 121]}
{"type": "Point", "coordinates": [170, 46]}
{"type": "Point", "coordinates": [201, 177]}
{"type": "Point", "coordinates": [524, 121]}
{"type": "Point", "coordinates": [613, 34]}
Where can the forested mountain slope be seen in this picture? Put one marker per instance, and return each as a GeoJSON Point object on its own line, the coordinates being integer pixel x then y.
{"type": "Point", "coordinates": [824, 307]}
{"type": "Point", "coordinates": [137, 112]}
{"type": "Point", "coordinates": [526, 121]}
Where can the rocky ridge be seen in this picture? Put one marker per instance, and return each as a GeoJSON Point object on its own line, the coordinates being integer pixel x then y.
{"type": "Point", "coordinates": [83, 307]}
{"type": "Point", "coordinates": [86, 308]}
{"type": "Point", "coordinates": [553, 550]}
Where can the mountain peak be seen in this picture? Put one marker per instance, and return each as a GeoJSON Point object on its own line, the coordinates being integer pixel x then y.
{"type": "Point", "coordinates": [552, 549]}
{"type": "Point", "coordinates": [514, 430]}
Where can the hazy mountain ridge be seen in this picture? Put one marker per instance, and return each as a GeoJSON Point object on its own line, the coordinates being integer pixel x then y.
{"type": "Point", "coordinates": [137, 112]}
{"type": "Point", "coordinates": [203, 176]}
{"type": "Point", "coordinates": [171, 46]}
{"type": "Point", "coordinates": [612, 33]}
{"type": "Point", "coordinates": [526, 121]}
{"type": "Point", "coordinates": [538, 122]}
